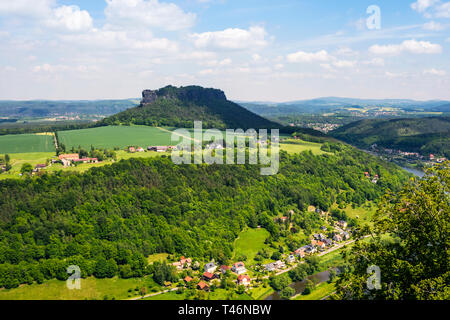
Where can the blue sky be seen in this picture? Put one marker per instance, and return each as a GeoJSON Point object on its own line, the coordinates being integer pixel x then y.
{"type": "Point", "coordinates": [253, 50]}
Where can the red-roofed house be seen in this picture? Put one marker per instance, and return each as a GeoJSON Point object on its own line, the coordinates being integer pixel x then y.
{"type": "Point", "coordinates": [202, 285]}
{"type": "Point", "coordinates": [187, 279]}
{"type": "Point", "coordinates": [243, 280]}
{"type": "Point", "coordinates": [208, 276]}
{"type": "Point", "coordinates": [321, 244]}
{"type": "Point", "coordinates": [69, 156]}
{"type": "Point", "coordinates": [239, 268]}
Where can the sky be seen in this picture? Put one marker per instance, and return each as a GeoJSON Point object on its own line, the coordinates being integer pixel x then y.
{"type": "Point", "coordinates": [254, 50]}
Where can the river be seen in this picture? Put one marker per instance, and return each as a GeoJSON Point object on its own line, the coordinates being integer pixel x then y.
{"type": "Point", "coordinates": [415, 172]}
{"type": "Point", "coordinates": [299, 286]}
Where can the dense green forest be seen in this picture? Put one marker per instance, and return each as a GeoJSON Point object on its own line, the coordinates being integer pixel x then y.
{"type": "Point", "coordinates": [108, 219]}
{"type": "Point", "coordinates": [180, 107]}
{"type": "Point", "coordinates": [423, 135]}
{"type": "Point", "coordinates": [414, 260]}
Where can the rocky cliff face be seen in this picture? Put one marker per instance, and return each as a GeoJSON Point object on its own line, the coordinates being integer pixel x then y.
{"type": "Point", "coordinates": [189, 93]}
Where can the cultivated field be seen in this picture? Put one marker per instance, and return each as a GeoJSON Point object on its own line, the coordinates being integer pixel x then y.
{"type": "Point", "coordinates": [21, 143]}
{"type": "Point", "coordinates": [116, 136]}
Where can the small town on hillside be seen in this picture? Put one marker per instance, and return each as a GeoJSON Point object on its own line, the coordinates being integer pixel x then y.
{"type": "Point", "coordinates": [193, 276]}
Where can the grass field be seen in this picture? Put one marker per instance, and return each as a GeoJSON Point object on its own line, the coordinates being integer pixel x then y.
{"type": "Point", "coordinates": [21, 143]}
{"type": "Point", "coordinates": [321, 291]}
{"type": "Point", "coordinates": [91, 288]}
{"type": "Point", "coordinates": [115, 136]}
{"type": "Point", "coordinates": [157, 257]}
{"type": "Point", "coordinates": [218, 294]}
{"type": "Point", "coordinates": [249, 242]}
{"type": "Point", "coordinates": [18, 159]}
{"type": "Point", "coordinates": [363, 213]}
{"type": "Point", "coordinates": [300, 146]}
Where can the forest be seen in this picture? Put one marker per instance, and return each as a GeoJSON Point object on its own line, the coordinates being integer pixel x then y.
{"type": "Point", "coordinates": [109, 219]}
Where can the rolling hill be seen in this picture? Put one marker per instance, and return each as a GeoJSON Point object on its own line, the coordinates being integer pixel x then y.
{"type": "Point", "coordinates": [424, 135]}
{"type": "Point", "coordinates": [180, 107]}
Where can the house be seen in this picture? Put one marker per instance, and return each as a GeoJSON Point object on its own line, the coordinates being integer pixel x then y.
{"type": "Point", "coordinates": [300, 252]}
{"type": "Point", "coordinates": [337, 238]}
{"type": "Point", "coordinates": [316, 236]}
{"type": "Point", "coordinates": [321, 244]}
{"type": "Point", "coordinates": [290, 258]}
{"type": "Point", "coordinates": [70, 156]}
{"type": "Point", "coordinates": [132, 149]}
{"type": "Point", "coordinates": [366, 174]}
{"type": "Point", "coordinates": [313, 242]}
{"type": "Point", "coordinates": [329, 242]}
{"type": "Point", "coordinates": [178, 265]}
{"type": "Point", "coordinates": [239, 268]}
{"type": "Point", "coordinates": [208, 276]}
{"type": "Point", "coordinates": [243, 280]}
{"type": "Point", "coordinates": [214, 146]}
{"type": "Point", "coordinates": [39, 167]}
{"type": "Point", "coordinates": [159, 148]}
{"type": "Point", "coordinates": [346, 235]}
{"type": "Point", "coordinates": [279, 264]}
{"type": "Point", "coordinates": [185, 262]}
{"type": "Point", "coordinates": [202, 285]}
{"type": "Point", "coordinates": [322, 236]}
{"type": "Point", "coordinates": [210, 267]}
{"type": "Point", "coordinates": [431, 156]}
{"type": "Point", "coordinates": [224, 269]}
{"type": "Point", "coordinates": [270, 267]}
{"type": "Point", "coordinates": [342, 224]}
{"type": "Point", "coordinates": [85, 160]}
{"type": "Point", "coordinates": [187, 279]}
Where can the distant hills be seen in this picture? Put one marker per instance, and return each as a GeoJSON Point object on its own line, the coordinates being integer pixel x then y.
{"type": "Point", "coordinates": [52, 108]}
{"type": "Point", "coordinates": [423, 135]}
{"type": "Point", "coordinates": [332, 104]}
{"type": "Point", "coordinates": [181, 106]}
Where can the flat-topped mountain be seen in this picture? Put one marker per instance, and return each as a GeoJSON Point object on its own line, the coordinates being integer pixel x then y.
{"type": "Point", "coordinates": [181, 106]}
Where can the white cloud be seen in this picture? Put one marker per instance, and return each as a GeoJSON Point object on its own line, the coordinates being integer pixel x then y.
{"type": "Point", "coordinates": [435, 72]}
{"type": "Point", "coordinates": [411, 46]}
{"type": "Point", "coordinates": [70, 18]}
{"type": "Point", "coordinates": [422, 5]}
{"type": "Point", "coordinates": [443, 10]}
{"type": "Point", "coordinates": [433, 26]}
{"type": "Point", "coordinates": [26, 8]}
{"type": "Point", "coordinates": [378, 62]}
{"type": "Point", "coordinates": [301, 56]}
{"type": "Point", "coordinates": [344, 63]}
{"type": "Point", "coordinates": [150, 13]}
{"type": "Point", "coordinates": [231, 38]}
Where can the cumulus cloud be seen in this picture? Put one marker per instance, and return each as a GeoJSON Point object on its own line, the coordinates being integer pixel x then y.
{"type": "Point", "coordinates": [344, 63]}
{"type": "Point", "coordinates": [231, 38]}
{"type": "Point", "coordinates": [150, 13]}
{"type": "Point", "coordinates": [435, 72]}
{"type": "Point", "coordinates": [378, 62]}
{"type": "Point", "coordinates": [302, 56]}
{"type": "Point", "coordinates": [411, 46]}
{"type": "Point", "coordinates": [70, 18]}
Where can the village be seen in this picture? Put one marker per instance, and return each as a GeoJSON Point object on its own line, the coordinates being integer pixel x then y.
{"type": "Point", "coordinates": [246, 277]}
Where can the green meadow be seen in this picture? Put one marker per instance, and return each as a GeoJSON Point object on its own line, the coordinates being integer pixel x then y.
{"type": "Point", "coordinates": [116, 136]}
{"type": "Point", "coordinates": [91, 289]}
{"type": "Point", "coordinates": [298, 146]}
{"type": "Point", "coordinates": [249, 242]}
{"type": "Point", "coordinates": [21, 143]}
